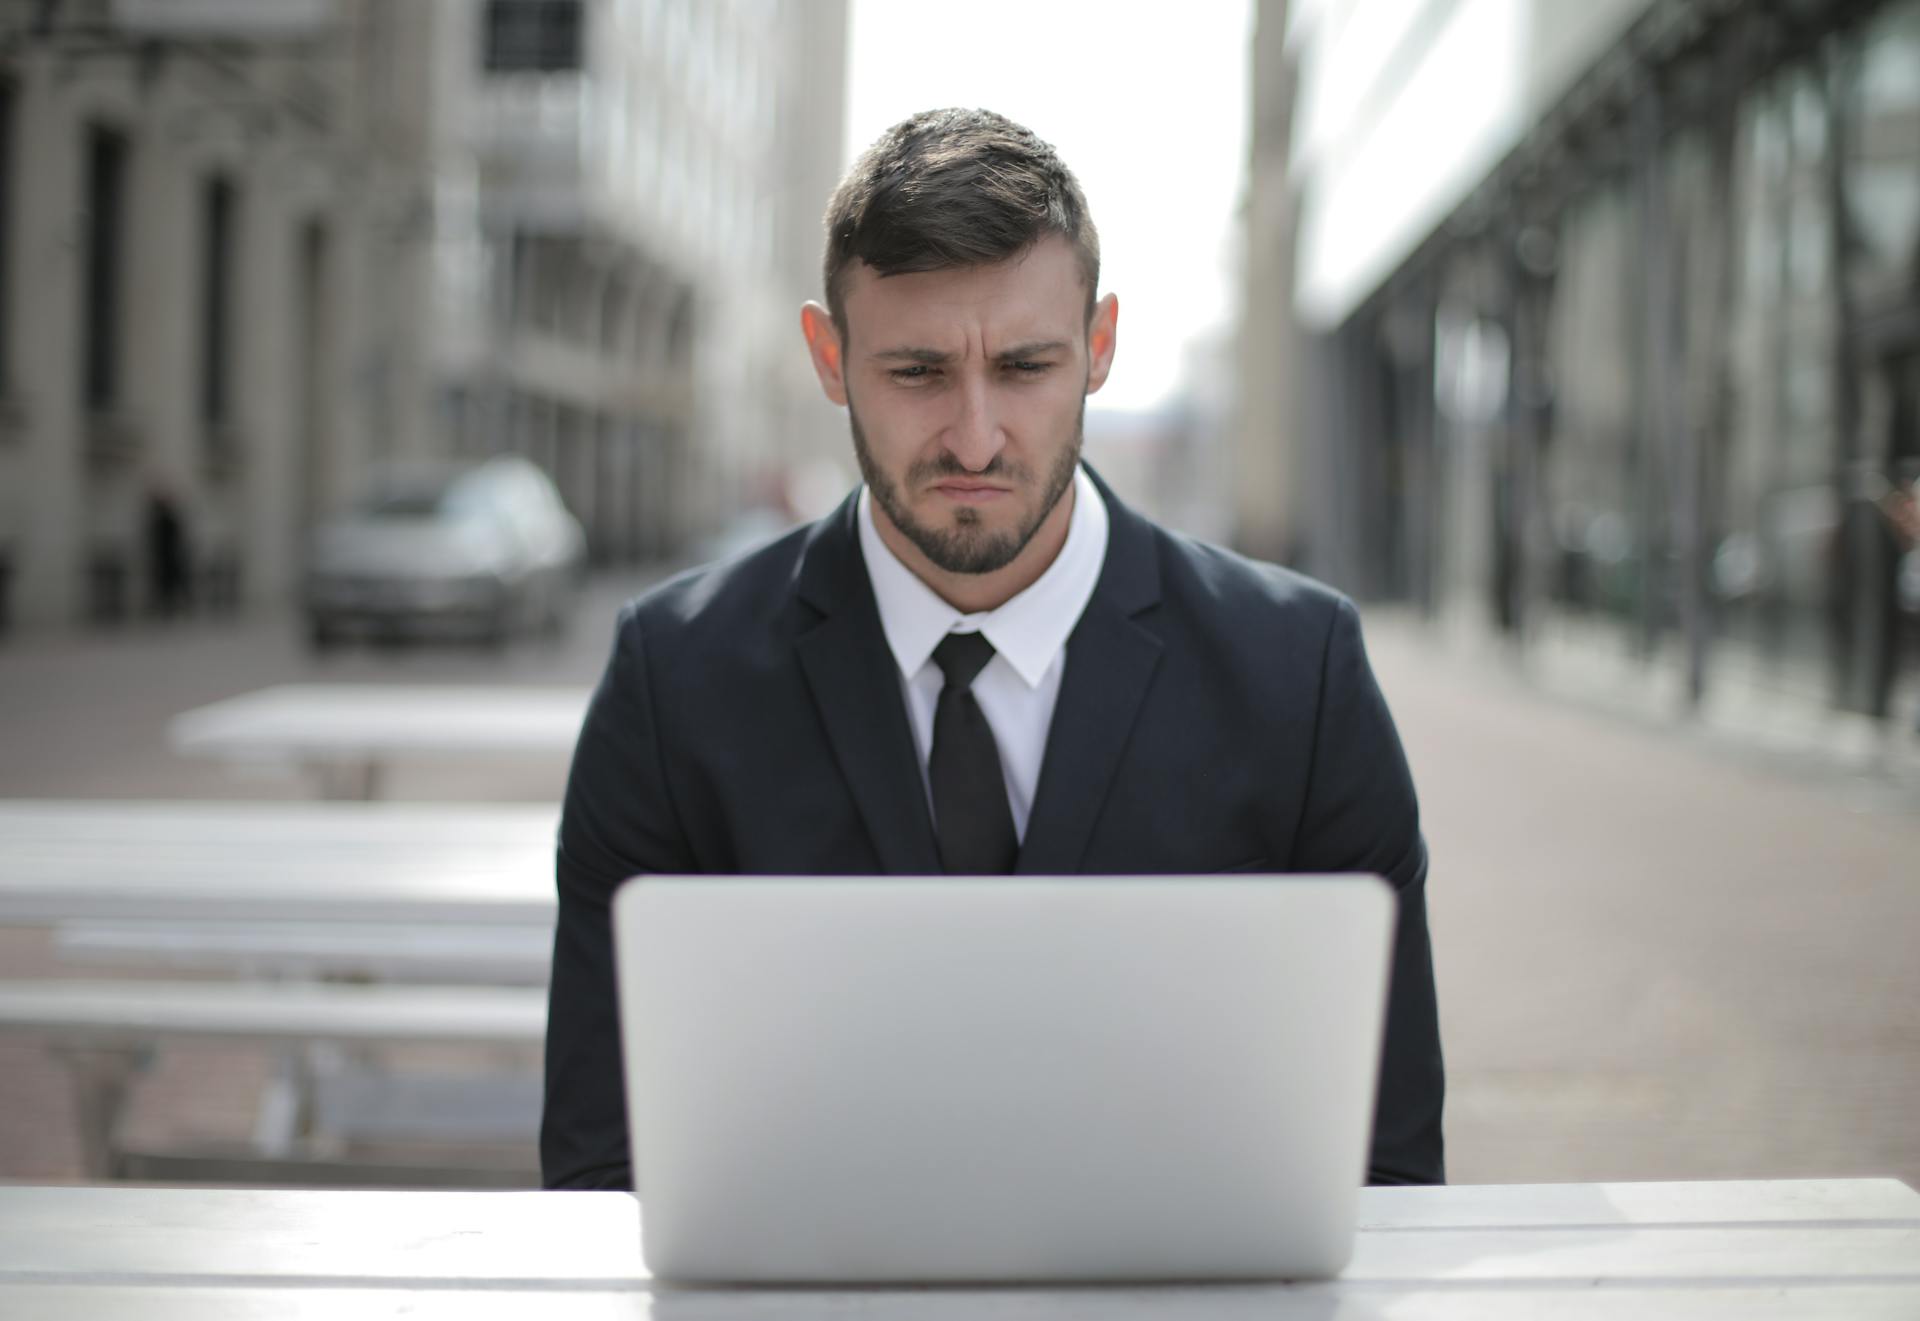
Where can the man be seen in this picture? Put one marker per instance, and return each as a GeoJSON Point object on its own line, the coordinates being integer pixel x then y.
{"type": "Point", "coordinates": [982, 661]}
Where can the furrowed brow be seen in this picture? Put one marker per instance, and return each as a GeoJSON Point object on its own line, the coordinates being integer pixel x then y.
{"type": "Point", "coordinates": [1037, 349]}
{"type": "Point", "coordinates": [930, 357]}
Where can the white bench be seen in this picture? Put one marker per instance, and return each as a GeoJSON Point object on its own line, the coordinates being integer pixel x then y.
{"type": "Point", "coordinates": [346, 734]}
{"type": "Point", "coordinates": [107, 1031]}
{"type": "Point", "coordinates": [309, 862]}
{"type": "Point", "coordinates": [166, 823]}
{"type": "Point", "coordinates": [124, 1014]}
{"type": "Point", "coordinates": [287, 891]}
{"type": "Point", "coordinates": [459, 953]}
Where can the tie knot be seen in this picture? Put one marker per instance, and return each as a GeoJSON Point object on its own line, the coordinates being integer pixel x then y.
{"type": "Point", "coordinates": [961, 656]}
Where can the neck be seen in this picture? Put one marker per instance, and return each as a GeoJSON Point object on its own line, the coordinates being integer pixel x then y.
{"type": "Point", "coordinates": [972, 593]}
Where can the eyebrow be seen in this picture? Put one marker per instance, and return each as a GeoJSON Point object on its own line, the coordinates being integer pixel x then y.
{"type": "Point", "coordinates": [937, 358]}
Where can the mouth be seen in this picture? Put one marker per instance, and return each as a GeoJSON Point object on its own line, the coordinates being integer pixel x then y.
{"type": "Point", "coordinates": [970, 493]}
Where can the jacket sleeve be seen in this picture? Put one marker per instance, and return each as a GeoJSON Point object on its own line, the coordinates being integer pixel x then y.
{"type": "Point", "coordinates": [1361, 816]}
{"type": "Point", "coordinates": [617, 821]}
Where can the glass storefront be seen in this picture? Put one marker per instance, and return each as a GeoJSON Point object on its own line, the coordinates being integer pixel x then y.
{"type": "Point", "coordinates": [1775, 564]}
{"type": "Point", "coordinates": [1590, 469]}
{"type": "Point", "coordinates": [1710, 453]}
{"type": "Point", "coordinates": [1881, 198]}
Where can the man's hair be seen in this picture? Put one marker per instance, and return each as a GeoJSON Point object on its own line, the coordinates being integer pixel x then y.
{"type": "Point", "coordinates": [953, 188]}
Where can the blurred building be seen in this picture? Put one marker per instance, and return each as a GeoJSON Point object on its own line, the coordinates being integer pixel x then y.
{"type": "Point", "coordinates": [1170, 462]}
{"type": "Point", "coordinates": [198, 240]}
{"type": "Point", "coordinates": [1265, 448]}
{"type": "Point", "coordinates": [250, 249]}
{"type": "Point", "coordinates": [1606, 325]}
{"type": "Point", "coordinates": [629, 195]}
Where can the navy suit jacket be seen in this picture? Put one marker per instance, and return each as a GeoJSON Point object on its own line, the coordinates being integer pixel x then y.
{"type": "Point", "coordinates": [1216, 714]}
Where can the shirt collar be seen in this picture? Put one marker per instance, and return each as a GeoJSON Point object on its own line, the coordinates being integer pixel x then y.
{"type": "Point", "coordinates": [1028, 630]}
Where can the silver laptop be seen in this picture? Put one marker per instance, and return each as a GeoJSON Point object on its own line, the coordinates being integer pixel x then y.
{"type": "Point", "coordinates": [1018, 1080]}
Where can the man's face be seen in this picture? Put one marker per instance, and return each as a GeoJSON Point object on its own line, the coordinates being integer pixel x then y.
{"type": "Point", "coordinates": [965, 389]}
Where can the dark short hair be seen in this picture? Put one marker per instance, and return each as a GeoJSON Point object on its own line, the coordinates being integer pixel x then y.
{"type": "Point", "coordinates": [953, 188]}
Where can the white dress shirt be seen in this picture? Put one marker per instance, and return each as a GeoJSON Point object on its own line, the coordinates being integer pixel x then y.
{"type": "Point", "coordinates": [1019, 686]}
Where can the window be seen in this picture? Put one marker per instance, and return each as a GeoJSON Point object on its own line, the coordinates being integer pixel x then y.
{"type": "Point", "coordinates": [6, 230]}
{"type": "Point", "coordinates": [104, 221]}
{"type": "Point", "coordinates": [1883, 160]}
{"type": "Point", "coordinates": [313, 401]}
{"type": "Point", "coordinates": [533, 36]}
{"type": "Point", "coordinates": [216, 301]}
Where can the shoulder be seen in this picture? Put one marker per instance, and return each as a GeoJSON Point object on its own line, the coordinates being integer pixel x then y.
{"type": "Point", "coordinates": [1272, 639]}
{"type": "Point", "coordinates": [1214, 583]}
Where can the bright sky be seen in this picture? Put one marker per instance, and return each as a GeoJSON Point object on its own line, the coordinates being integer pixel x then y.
{"type": "Point", "coordinates": [1146, 103]}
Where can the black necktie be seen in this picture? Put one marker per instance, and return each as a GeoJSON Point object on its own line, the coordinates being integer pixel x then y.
{"type": "Point", "coordinates": [970, 810]}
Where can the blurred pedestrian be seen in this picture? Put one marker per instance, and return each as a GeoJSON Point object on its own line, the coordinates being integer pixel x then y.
{"type": "Point", "coordinates": [1902, 509]}
{"type": "Point", "coordinates": [169, 553]}
{"type": "Point", "coordinates": [982, 661]}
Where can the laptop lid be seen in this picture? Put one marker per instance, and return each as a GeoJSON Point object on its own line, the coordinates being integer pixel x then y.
{"type": "Point", "coordinates": [1007, 1079]}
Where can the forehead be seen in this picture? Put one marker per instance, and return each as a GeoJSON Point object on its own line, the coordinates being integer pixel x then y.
{"type": "Point", "coordinates": [1038, 293]}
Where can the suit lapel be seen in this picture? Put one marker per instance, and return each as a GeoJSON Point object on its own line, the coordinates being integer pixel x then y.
{"type": "Point", "coordinates": [857, 689]}
{"type": "Point", "coordinates": [1111, 658]}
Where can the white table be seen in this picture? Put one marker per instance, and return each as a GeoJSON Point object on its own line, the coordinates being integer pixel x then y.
{"type": "Point", "coordinates": [299, 862]}
{"type": "Point", "coordinates": [347, 733]}
{"type": "Point", "coordinates": [1691, 1250]}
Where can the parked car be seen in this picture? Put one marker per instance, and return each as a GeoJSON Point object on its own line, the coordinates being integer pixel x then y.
{"type": "Point", "coordinates": [480, 551]}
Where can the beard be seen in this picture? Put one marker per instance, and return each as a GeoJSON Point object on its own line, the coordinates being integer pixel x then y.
{"type": "Point", "coordinates": [968, 546]}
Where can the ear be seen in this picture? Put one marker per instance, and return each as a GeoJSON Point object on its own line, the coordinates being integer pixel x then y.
{"type": "Point", "coordinates": [1101, 332]}
{"type": "Point", "coordinates": [823, 342]}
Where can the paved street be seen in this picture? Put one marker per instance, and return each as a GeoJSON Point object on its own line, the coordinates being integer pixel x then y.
{"type": "Point", "coordinates": [1658, 958]}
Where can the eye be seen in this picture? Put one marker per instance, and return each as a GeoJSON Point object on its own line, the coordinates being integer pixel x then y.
{"type": "Point", "coordinates": [1026, 368]}
{"type": "Point", "coordinates": [908, 375]}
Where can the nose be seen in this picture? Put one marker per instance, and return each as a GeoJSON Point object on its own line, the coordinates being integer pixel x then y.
{"type": "Point", "coordinates": [974, 436]}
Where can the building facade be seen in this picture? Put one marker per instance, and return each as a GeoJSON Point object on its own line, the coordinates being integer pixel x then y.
{"type": "Point", "coordinates": [1610, 330]}
{"type": "Point", "coordinates": [250, 250]}
{"type": "Point", "coordinates": [631, 197]}
{"type": "Point", "coordinates": [187, 268]}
